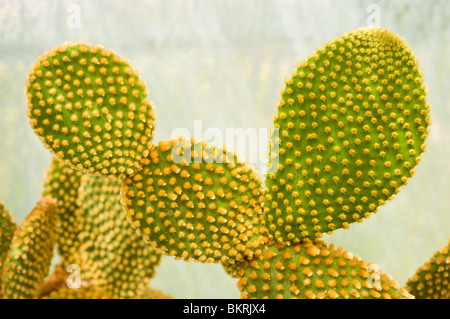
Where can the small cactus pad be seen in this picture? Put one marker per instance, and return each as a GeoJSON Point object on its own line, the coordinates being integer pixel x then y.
{"type": "Point", "coordinates": [314, 270]}
{"type": "Point", "coordinates": [31, 253]}
{"type": "Point", "coordinates": [62, 183]}
{"type": "Point", "coordinates": [196, 202]}
{"type": "Point", "coordinates": [114, 257]}
{"type": "Point", "coordinates": [352, 122]}
{"type": "Point", "coordinates": [7, 229]}
{"type": "Point", "coordinates": [89, 107]}
{"type": "Point", "coordinates": [432, 280]}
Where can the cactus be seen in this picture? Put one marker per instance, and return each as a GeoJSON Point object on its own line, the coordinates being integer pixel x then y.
{"type": "Point", "coordinates": [7, 229]}
{"type": "Point", "coordinates": [432, 279]}
{"type": "Point", "coordinates": [193, 201]}
{"type": "Point", "coordinates": [112, 256]}
{"type": "Point", "coordinates": [31, 253]}
{"type": "Point", "coordinates": [89, 107]}
{"type": "Point", "coordinates": [352, 122]}
{"type": "Point", "coordinates": [62, 183]}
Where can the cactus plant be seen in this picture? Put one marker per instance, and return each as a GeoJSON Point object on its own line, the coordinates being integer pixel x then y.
{"type": "Point", "coordinates": [62, 183]}
{"type": "Point", "coordinates": [432, 279]}
{"type": "Point", "coordinates": [7, 229]}
{"type": "Point", "coordinates": [352, 123]}
{"type": "Point", "coordinates": [112, 256]}
{"type": "Point", "coordinates": [31, 252]}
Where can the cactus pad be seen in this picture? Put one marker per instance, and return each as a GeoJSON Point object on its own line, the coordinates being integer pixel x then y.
{"type": "Point", "coordinates": [314, 270]}
{"type": "Point", "coordinates": [31, 253]}
{"type": "Point", "coordinates": [352, 122]}
{"type": "Point", "coordinates": [89, 107]}
{"type": "Point", "coordinates": [196, 202]}
{"type": "Point", "coordinates": [114, 258]}
{"type": "Point", "coordinates": [7, 229]}
{"type": "Point", "coordinates": [432, 280]}
{"type": "Point", "coordinates": [62, 183]}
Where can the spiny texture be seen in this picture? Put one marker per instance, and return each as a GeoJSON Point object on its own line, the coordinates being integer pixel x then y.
{"type": "Point", "coordinates": [314, 270]}
{"type": "Point", "coordinates": [352, 122]}
{"type": "Point", "coordinates": [62, 183]}
{"type": "Point", "coordinates": [196, 202]}
{"type": "Point", "coordinates": [7, 229]}
{"type": "Point", "coordinates": [114, 258]}
{"type": "Point", "coordinates": [89, 107]}
{"type": "Point", "coordinates": [31, 253]}
{"type": "Point", "coordinates": [432, 279]}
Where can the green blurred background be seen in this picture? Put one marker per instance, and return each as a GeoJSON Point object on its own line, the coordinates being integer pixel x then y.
{"type": "Point", "coordinates": [224, 62]}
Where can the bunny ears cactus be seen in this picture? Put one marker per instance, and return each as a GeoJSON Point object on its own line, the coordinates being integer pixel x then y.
{"type": "Point", "coordinates": [352, 121]}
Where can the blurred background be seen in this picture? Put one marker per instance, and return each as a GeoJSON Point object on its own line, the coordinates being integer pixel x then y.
{"type": "Point", "coordinates": [224, 62]}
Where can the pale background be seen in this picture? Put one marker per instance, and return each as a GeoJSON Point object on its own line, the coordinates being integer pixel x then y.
{"type": "Point", "coordinates": [224, 62]}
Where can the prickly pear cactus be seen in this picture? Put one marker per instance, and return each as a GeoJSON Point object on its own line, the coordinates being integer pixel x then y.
{"type": "Point", "coordinates": [352, 122]}
{"type": "Point", "coordinates": [89, 107]}
{"type": "Point", "coordinates": [194, 201]}
{"type": "Point", "coordinates": [62, 183]}
{"type": "Point", "coordinates": [113, 257]}
{"type": "Point", "coordinates": [32, 250]}
{"type": "Point", "coordinates": [432, 279]}
{"type": "Point", "coordinates": [7, 229]}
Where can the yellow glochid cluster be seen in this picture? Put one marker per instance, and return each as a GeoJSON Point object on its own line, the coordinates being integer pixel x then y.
{"type": "Point", "coordinates": [314, 270]}
{"type": "Point", "coordinates": [89, 107]}
{"type": "Point", "coordinates": [112, 256]}
{"type": "Point", "coordinates": [31, 253]}
{"type": "Point", "coordinates": [351, 125]}
{"type": "Point", "coordinates": [195, 201]}
{"type": "Point", "coordinates": [432, 279]}
{"type": "Point", "coordinates": [62, 183]}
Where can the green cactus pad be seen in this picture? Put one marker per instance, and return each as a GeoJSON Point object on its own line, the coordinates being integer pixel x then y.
{"type": "Point", "coordinates": [7, 229]}
{"type": "Point", "coordinates": [114, 258]}
{"type": "Point", "coordinates": [195, 201]}
{"type": "Point", "coordinates": [31, 253]}
{"type": "Point", "coordinates": [314, 270]}
{"type": "Point", "coordinates": [62, 183]}
{"type": "Point", "coordinates": [432, 279]}
{"type": "Point", "coordinates": [88, 106]}
{"type": "Point", "coordinates": [352, 122]}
